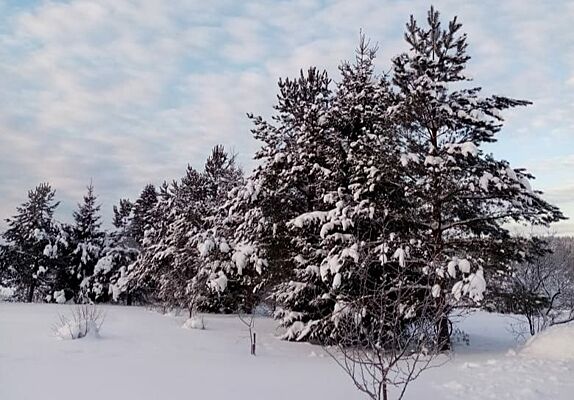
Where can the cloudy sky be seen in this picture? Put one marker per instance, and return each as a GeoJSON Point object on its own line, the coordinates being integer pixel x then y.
{"type": "Point", "coordinates": [126, 92]}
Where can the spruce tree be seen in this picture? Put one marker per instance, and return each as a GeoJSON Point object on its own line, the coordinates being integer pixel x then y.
{"type": "Point", "coordinates": [87, 240]}
{"type": "Point", "coordinates": [148, 229]}
{"type": "Point", "coordinates": [338, 244]}
{"type": "Point", "coordinates": [289, 180]}
{"type": "Point", "coordinates": [143, 216]}
{"type": "Point", "coordinates": [33, 243]}
{"type": "Point", "coordinates": [176, 264]}
{"type": "Point", "coordinates": [119, 251]}
{"type": "Point", "coordinates": [214, 288]}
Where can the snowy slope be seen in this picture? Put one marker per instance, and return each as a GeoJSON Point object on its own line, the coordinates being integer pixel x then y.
{"type": "Point", "coordinates": [144, 355]}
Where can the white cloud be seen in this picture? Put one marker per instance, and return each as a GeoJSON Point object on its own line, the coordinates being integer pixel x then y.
{"type": "Point", "coordinates": [554, 164]}
{"type": "Point", "coordinates": [127, 92]}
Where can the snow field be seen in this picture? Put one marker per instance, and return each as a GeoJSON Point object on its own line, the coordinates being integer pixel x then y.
{"type": "Point", "coordinates": [143, 355]}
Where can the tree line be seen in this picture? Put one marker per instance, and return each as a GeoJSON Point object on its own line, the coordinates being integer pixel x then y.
{"type": "Point", "coordinates": [373, 206]}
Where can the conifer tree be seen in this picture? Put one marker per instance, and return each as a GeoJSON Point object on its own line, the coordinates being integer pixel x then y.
{"type": "Point", "coordinates": [210, 288]}
{"type": "Point", "coordinates": [288, 181]}
{"type": "Point", "coordinates": [122, 214]}
{"type": "Point", "coordinates": [119, 252]}
{"type": "Point", "coordinates": [143, 216]}
{"type": "Point", "coordinates": [148, 228]}
{"type": "Point", "coordinates": [384, 182]}
{"type": "Point", "coordinates": [459, 200]}
{"type": "Point", "coordinates": [87, 240]}
{"type": "Point", "coordinates": [33, 243]}
{"type": "Point", "coordinates": [167, 262]}
{"type": "Point", "coordinates": [138, 227]}
{"type": "Point", "coordinates": [5, 268]}
{"type": "Point", "coordinates": [338, 245]}
{"type": "Point", "coordinates": [176, 264]}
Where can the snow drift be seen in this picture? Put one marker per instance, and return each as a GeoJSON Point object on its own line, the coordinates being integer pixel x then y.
{"type": "Point", "coordinates": [556, 343]}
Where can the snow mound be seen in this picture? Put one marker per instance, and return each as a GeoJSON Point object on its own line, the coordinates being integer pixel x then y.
{"type": "Point", "coordinates": [6, 293]}
{"type": "Point", "coordinates": [194, 323]}
{"type": "Point", "coordinates": [556, 343]}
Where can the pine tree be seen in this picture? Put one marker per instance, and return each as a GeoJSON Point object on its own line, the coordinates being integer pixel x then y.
{"type": "Point", "coordinates": [139, 227]}
{"type": "Point", "coordinates": [188, 211]}
{"type": "Point", "coordinates": [34, 242]}
{"type": "Point", "coordinates": [214, 288]}
{"type": "Point", "coordinates": [143, 216]}
{"type": "Point", "coordinates": [119, 251]}
{"type": "Point", "coordinates": [165, 265]}
{"type": "Point", "coordinates": [221, 175]}
{"type": "Point", "coordinates": [338, 244]}
{"type": "Point", "coordinates": [5, 271]}
{"type": "Point", "coordinates": [122, 214]}
{"type": "Point", "coordinates": [383, 184]}
{"type": "Point", "coordinates": [458, 199]}
{"type": "Point", "coordinates": [149, 214]}
{"type": "Point", "coordinates": [87, 240]}
{"type": "Point", "coordinates": [176, 263]}
{"type": "Point", "coordinates": [290, 180]}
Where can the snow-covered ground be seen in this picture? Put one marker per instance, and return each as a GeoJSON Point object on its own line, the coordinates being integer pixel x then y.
{"type": "Point", "coordinates": [143, 355]}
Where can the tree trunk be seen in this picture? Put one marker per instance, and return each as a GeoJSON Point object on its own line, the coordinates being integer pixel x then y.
{"type": "Point", "coordinates": [444, 333]}
{"type": "Point", "coordinates": [385, 393]}
{"type": "Point", "coordinates": [31, 289]}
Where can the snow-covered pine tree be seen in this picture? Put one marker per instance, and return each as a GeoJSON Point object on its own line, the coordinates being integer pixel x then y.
{"type": "Point", "coordinates": [249, 234]}
{"type": "Point", "coordinates": [176, 262]}
{"type": "Point", "coordinates": [64, 283]}
{"type": "Point", "coordinates": [86, 244]}
{"type": "Point", "coordinates": [120, 250]}
{"type": "Point", "coordinates": [215, 287]}
{"type": "Point", "coordinates": [459, 200]}
{"type": "Point", "coordinates": [221, 175]}
{"type": "Point", "coordinates": [120, 267]}
{"type": "Point", "coordinates": [33, 243]}
{"type": "Point", "coordinates": [155, 254]}
{"type": "Point", "coordinates": [122, 214]}
{"type": "Point", "coordinates": [289, 180]}
{"type": "Point", "coordinates": [406, 198]}
{"type": "Point", "coordinates": [177, 257]}
{"type": "Point", "coordinates": [339, 246]}
{"type": "Point", "coordinates": [143, 215]}
{"type": "Point", "coordinates": [5, 270]}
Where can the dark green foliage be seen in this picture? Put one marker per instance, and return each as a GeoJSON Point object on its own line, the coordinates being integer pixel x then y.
{"type": "Point", "coordinates": [33, 242]}
{"type": "Point", "coordinates": [86, 243]}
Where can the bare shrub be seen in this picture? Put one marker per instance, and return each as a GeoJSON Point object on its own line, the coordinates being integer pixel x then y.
{"type": "Point", "coordinates": [460, 337]}
{"type": "Point", "coordinates": [84, 320]}
{"type": "Point", "coordinates": [543, 289]}
{"type": "Point", "coordinates": [387, 334]}
{"type": "Point", "coordinates": [249, 321]}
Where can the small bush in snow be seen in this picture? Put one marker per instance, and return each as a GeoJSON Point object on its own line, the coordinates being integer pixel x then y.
{"type": "Point", "coordinates": [195, 322]}
{"type": "Point", "coordinates": [6, 293]}
{"type": "Point", "coordinates": [460, 337]}
{"type": "Point", "coordinates": [85, 320]}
